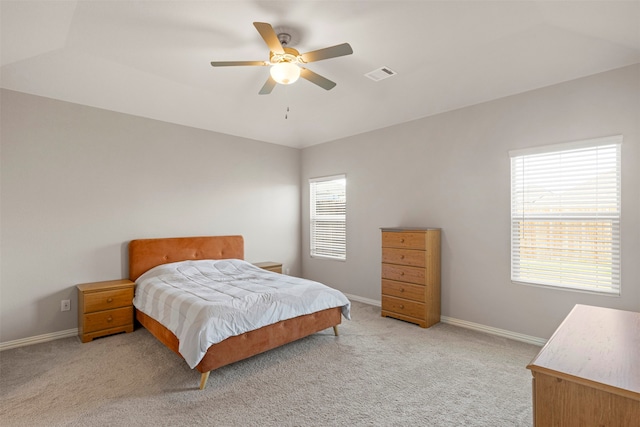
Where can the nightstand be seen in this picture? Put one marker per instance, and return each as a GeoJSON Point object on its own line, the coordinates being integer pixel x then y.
{"type": "Point", "coordinates": [276, 267]}
{"type": "Point", "coordinates": [105, 308]}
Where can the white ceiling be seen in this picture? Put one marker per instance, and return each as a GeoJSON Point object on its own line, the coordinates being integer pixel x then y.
{"type": "Point", "coordinates": [152, 58]}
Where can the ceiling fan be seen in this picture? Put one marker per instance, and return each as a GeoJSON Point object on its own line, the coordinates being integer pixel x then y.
{"type": "Point", "coordinates": [286, 62]}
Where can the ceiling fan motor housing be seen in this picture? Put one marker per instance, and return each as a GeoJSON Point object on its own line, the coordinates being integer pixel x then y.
{"type": "Point", "coordinates": [290, 55]}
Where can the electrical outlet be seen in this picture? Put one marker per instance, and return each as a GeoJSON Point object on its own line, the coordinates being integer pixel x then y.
{"type": "Point", "coordinates": [65, 305]}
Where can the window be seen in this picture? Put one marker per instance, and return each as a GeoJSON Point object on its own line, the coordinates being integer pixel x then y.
{"type": "Point", "coordinates": [565, 215]}
{"type": "Point", "coordinates": [328, 217]}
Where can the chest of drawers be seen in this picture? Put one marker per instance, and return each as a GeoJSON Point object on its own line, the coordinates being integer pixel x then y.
{"type": "Point", "coordinates": [411, 275]}
{"type": "Point", "coordinates": [105, 308]}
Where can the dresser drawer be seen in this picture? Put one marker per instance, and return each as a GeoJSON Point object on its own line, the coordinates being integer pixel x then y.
{"type": "Point", "coordinates": [403, 307]}
{"type": "Point", "coordinates": [108, 319]}
{"type": "Point", "coordinates": [406, 240]}
{"type": "Point", "coordinates": [403, 290]}
{"type": "Point", "coordinates": [411, 257]}
{"type": "Point", "coordinates": [106, 300]}
{"type": "Point", "coordinates": [404, 273]}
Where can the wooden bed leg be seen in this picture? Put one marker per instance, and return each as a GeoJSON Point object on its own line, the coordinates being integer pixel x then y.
{"type": "Point", "coordinates": [203, 379]}
{"type": "Point", "coordinates": [335, 330]}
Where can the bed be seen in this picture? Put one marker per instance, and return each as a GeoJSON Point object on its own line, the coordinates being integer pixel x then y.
{"type": "Point", "coordinates": [146, 256]}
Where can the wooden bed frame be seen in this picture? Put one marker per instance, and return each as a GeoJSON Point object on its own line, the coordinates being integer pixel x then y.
{"type": "Point", "coordinates": [148, 253]}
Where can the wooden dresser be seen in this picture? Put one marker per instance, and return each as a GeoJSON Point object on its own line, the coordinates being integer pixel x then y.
{"type": "Point", "coordinates": [105, 308]}
{"type": "Point", "coordinates": [411, 275]}
{"type": "Point", "coordinates": [588, 373]}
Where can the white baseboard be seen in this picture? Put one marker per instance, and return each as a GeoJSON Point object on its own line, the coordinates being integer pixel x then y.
{"type": "Point", "coordinates": [39, 339]}
{"type": "Point", "coordinates": [494, 331]}
{"type": "Point", "coordinates": [373, 302]}
{"type": "Point", "coordinates": [469, 325]}
{"type": "Point", "coordinates": [444, 319]}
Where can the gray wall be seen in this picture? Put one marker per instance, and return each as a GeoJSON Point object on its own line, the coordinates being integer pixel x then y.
{"type": "Point", "coordinates": [78, 183]}
{"type": "Point", "coordinates": [452, 171]}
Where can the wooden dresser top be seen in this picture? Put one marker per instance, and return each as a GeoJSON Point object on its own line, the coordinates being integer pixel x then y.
{"type": "Point", "coordinates": [408, 228]}
{"type": "Point", "coordinates": [596, 346]}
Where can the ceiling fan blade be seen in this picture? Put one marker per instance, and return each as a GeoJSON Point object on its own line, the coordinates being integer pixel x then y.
{"type": "Point", "coordinates": [268, 86]}
{"type": "Point", "coordinates": [328, 52]}
{"type": "Point", "coordinates": [316, 79]}
{"type": "Point", "coordinates": [270, 37]}
{"type": "Point", "coordinates": [233, 63]}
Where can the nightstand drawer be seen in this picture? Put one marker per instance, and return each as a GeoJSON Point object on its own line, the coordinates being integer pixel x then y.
{"type": "Point", "coordinates": [403, 240]}
{"type": "Point", "coordinates": [107, 300]}
{"type": "Point", "coordinates": [403, 290]}
{"type": "Point", "coordinates": [108, 319]}
{"type": "Point", "coordinates": [403, 273]}
{"type": "Point", "coordinates": [403, 307]}
{"type": "Point", "coordinates": [276, 267]}
{"type": "Point", "coordinates": [411, 257]}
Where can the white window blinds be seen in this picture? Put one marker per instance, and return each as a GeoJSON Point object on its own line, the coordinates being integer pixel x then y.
{"type": "Point", "coordinates": [328, 217]}
{"type": "Point", "coordinates": [565, 215]}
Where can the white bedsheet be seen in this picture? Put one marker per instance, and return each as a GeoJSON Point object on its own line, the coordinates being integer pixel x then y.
{"type": "Point", "coordinates": [206, 301]}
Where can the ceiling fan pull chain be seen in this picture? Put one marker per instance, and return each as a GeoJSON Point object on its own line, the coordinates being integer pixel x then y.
{"type": "Point", "coordinates": [286, 99]}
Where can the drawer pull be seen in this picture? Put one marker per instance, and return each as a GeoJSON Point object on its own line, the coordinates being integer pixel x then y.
{"type": "Point", "coordinates": [109, 299]}
{"type": "Point", "coordinates": [401, 305]}
{"type": "Point", "coordinates": [401, 289]}
{"type": "Point", "coordinates": [401, 240]}
{"type": "Point", "coordinates": [109, 319]}
{"type": "Point", "coordinates": [402, 273]}
{"type": "Point", "coordinates": [401, 256]}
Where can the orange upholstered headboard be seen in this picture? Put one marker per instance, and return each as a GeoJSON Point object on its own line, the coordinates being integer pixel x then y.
{"type": "Point", "coordinates": [145, 254]}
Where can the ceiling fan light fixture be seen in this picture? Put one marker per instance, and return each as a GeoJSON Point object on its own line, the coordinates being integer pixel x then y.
{"type": "Point", "coordinates": [285, 73]}
{"type": "Point", "coordinates": [286, 62]}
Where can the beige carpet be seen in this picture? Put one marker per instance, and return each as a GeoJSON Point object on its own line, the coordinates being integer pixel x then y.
{"type": "Point", "coordinates": [379, 372]}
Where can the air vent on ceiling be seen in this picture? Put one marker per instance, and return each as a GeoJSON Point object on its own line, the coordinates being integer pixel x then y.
{"type": "Point", "coordinates": [380, 74]}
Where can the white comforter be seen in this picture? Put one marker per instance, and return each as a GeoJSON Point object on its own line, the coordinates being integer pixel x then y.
{"type": "Point", "coordinates": [204, 302]}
